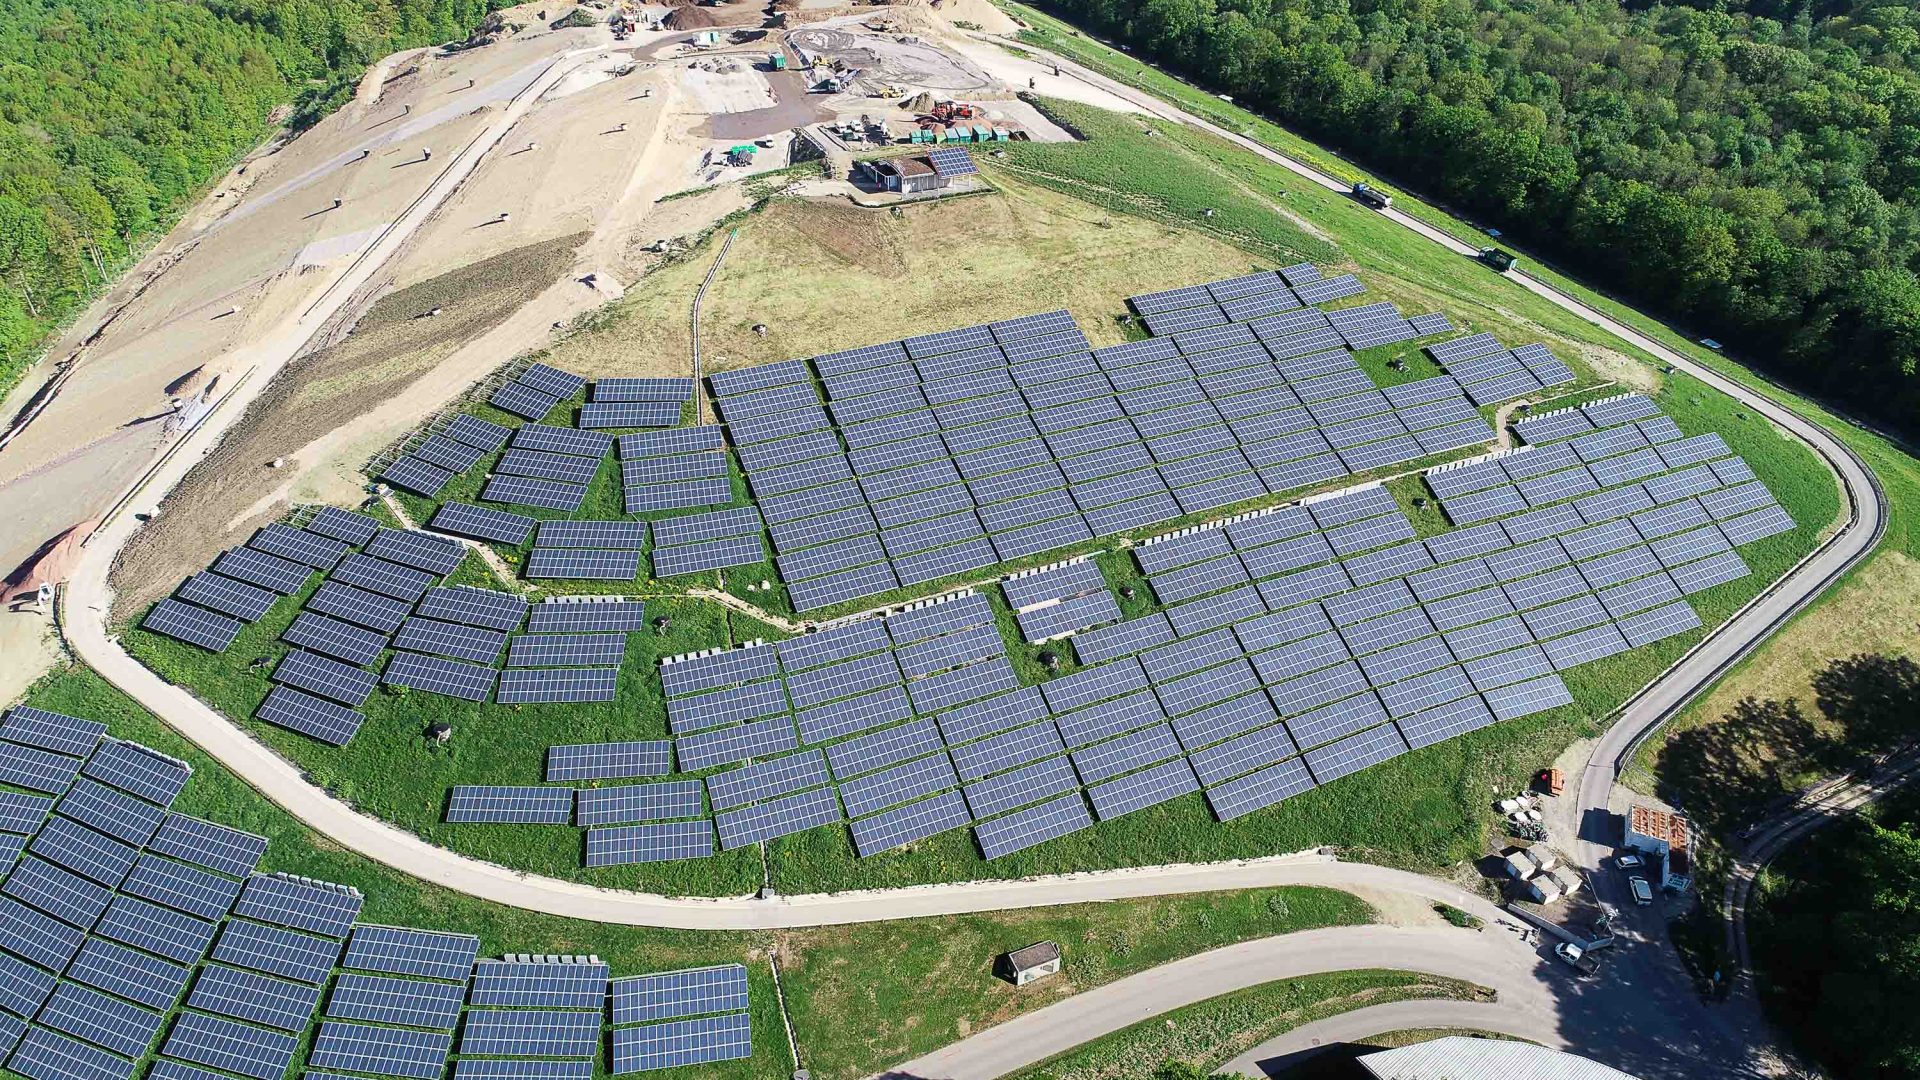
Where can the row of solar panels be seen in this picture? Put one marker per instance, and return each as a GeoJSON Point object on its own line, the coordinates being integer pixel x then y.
{"type": "Point", "coordinates": [384, 597]}
{"type": "Point", "coordinates": [181, 919]}
{"type": "Point", "coordinates": [911, 502]}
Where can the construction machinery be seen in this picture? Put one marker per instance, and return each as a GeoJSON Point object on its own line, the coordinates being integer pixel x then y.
{"type": "Point", "coordinates": [946, 112]}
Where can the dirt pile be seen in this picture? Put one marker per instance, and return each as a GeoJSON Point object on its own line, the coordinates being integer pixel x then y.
{"type": "Point", "coordinates": [691, 17]}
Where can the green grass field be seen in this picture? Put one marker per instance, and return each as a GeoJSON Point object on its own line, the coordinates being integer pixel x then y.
{"type": "Point", "coordinates": [938, 983]}
{"type": "Point", "coordinates": [1210, 1033]}
{"type": "Point", "coordinates": [1422, 810]}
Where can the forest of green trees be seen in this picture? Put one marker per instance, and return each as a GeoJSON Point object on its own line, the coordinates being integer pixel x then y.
{"type": "Point", "coordinates": [115, 113]}
{"type": "Point", "coordinates": [1749, 166]}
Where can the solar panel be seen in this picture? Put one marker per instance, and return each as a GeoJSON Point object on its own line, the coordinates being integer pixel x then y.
{"type": "Point", "coordinates": [407, 1002]}
{"type": "Point", "coordinates": [742, 380]}
{"type": "Point", "coordinates": [114, 813]}
{"type": "Point", "coordinates": [148, 926]}
{"type": "Point", "coordinates": [242, 601]}
{"type": "Point", "coordinates": [1445, 722]}
{"type": "Point", "coordinates": [517, 805]}
{"type": "Point", "coordinates": [780, 817]}
{"type": "Point", "coordinates": [539, 984]}
{"type": "Point", "coordinates": [766, 780]}
{"type": "Point", "coordinates": [1526, 698]}
{"type": "Point", "coordinates": [435, 675]}
{"type": "Point", "coordinates": [713, 555]}
{"type": "Point", "coordinates": [832, 645]}
{"type": "Point", "coordinates": [1717, 569]}
{"type": "Point", "coordinates": [662, 842]}
{"type": "Point", "coordinates": [681, 1042]}
{"type": "Point", "coordinates": [384, 1051]}
{"type": "Point", "coordinates": [1661, 622]}
{"type": "Point", "coordinates": [335, 637]}
{"type": "Point", "coordinates": [299, 903]}
{"type": "Point", "coordinates": [26, 725]}
{"type": "Point", "coordinates": [47, 1055]}
{"type": "Point", "coordinates": [357, 605]}
{"type": "Point", "coordinates": [450, 639]}
{"type": "Point", "coordinates": [274, 951]}
{"type": "Point", "coordinates": [607, 761]}
{"type": "Point", "coordinates": [525, 491]}
{"type": "Point", "coordinates": [380, 576]}
{"type": "Point", "coordinates": [586, 615]}
{"type": "Point", "coordinates": [73, 846]}
{"type": "Point", "coordinates": [355, 529]}
{"type": "Point", "coordinates": [403, 951]}
{"type": "Point", "coordinates": [673, 994]}
{"type": "Point", "coordinates": [297, 710]}
{"type": "Point", "coordinates": [193, 625]}
{"type": "Point", "coordinates": [994, 714]}
{"type": "Point", "coordinates": [243, 995]}
{"type": "Point", "coordinates": [206, 844]}
{"type": "Point", "coordinates": [544, 1033]}
{"type": "Point", "coordinates": [417, 475]}
{"type": "Point", "coordinates": [639, 802]}
{"type": "Point", "coordinates": [126, 973]}
{"type": "Point", "coordinates": [884, 748]}
{"type": "Point", "coordinates": [22, 814]}
{"type": "Point", "coordinates": [1757, 525]}
{"type": "Point", "coordinates": [727, 745]}
{"type": "Point", "coordinates": [699, 713]}
{"type": "Point", "coordinates": [506, 1069]}
{"type": "Point", "coordinates": [630, 414]}
{"type": "Point", "coordinates": [298, 545]}
{"type": "Point", "coordinates": [138, 771]}
{"type": "Point", "coordinates": [482, 523]}
{"type": "Point", "coordinates": [37, 770]}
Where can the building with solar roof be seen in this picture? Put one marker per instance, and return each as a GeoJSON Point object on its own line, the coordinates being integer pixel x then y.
{"type": "Point", "coordinates": [906, 175]}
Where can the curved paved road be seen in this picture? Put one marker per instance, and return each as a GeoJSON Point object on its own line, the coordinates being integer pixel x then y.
{"type": "Point", "coordinates": [85, 606]}
{"type": "Point", "coordinates": [1493, 959]}
{"type": "Point", "coordinates": [1821, 808]}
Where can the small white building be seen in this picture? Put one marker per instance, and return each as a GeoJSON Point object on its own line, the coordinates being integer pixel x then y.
{"type": "Point", "coordinates": [1458, 1056]}
{"type": "Point", "coordinates": [1036, 961]}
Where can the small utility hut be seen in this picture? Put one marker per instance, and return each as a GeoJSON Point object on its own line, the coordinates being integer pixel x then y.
{"type": "Point", "coordinates": [1036, 961]}
{"type": "Point", "coordinates": [906, 175]}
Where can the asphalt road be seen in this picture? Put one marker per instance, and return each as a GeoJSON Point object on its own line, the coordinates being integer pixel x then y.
{"type": "Point", "coordinates": [1494, 959]}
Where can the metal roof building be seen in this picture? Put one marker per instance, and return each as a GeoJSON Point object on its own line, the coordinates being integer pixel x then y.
{"type": "Point", "coordinates": [1460, 1057]}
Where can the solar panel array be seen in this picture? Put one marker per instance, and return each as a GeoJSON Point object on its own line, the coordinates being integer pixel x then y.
{"type": "Point", "coordinates": [206, 968]}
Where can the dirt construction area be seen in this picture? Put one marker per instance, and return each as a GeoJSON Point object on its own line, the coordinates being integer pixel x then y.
{"type": "Point", "coordinates": [562, 214]}
{"type": "Point", "coordinates": [902, 61]}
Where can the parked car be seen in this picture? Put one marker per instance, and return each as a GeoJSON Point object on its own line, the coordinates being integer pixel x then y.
{"type": "Point", "coordinates": [1576, 958]}
{"type": "Point", "coordinates": [1629, 862]}
{"type": "Point", "coordinates": [1642, 892]}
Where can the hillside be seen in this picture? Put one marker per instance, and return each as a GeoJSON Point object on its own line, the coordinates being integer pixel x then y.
{"type": "Point", "coordinates": [115, 113]}
{"type": "Point", "coordinates": [1751, 168]}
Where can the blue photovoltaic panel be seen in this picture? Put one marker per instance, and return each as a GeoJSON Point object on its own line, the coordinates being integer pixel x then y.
{"type": "Point", "coordinates": [257, 999]}
{"type": "Point", "coordinates": [300, 711]}
{"type": "Point", "coordinates": [356, 605]}
{"type": "Point", "coordinates": [782, 817]}
{"type": "Point", "coordinates": [674, 994]}
{"type": "Point", "coordinates": [155, 929]}
{"type": "Point", "coordinates": [700, 712]}
{"type": "Point", "coordinates": [547, 1033]}
{"type": "Point", "coordinates": [238, 599]}
{"type": "Point", "coordinates": [883, 748]}
{"type": "Point", "coordinates": [357, 529]}
{"type": "Point", "coordinates": [112, 812]}
{"type": "Point", "coordinates": [204, 843]}
{"type": "Point", "coordinates": [586, 616]}
{"type": "Point", "coordinates": [767, 779]}
{"type": "Point", "coordinates": [432, 674]}
{"type": "Point", "coordinates": [1260, 789]}
{"type": "Point", "coordinates": [639, 802]}
{"type": "Point", "coordinates": [539, 985]}
{"type": "Point", "coordinates": [129, 974]}
{"type": "Point", "coordinates": [727, 745]}
{"type": "Point", "coordinates": [73, 846]}
{"type": "Point", "coordinates": [48, 1055]}
{"type": "Point", "coordinates": [36, 936]}
{"type": "Point", "coordinates": [28, 726]}
{"type": "Point", "coordinates": [299, 904]}
{"type": "Point", "coordinates": [1023, 829]}
{"type": "Point", "coordinates": [104, 1021]}
{"type": "Point", "coordinates": [605, 761]}
{"type": "Point", "coordinates": [23, 814]}
{"type": "Point", "coordinates": [408, 1002]}
{"type": "Point", "coordinates": [402, 951]}
{"type": "Point", "coordinates": [391, 1052]}
{"type": "Point", "coordinates": [681, 1042]}
{"type": "Point", "coordinates": [273, 951]}
{"type": "Point", "coordinates": [906, 824]}
{"type": "Point", "coordinates": [329, 678]}
{"type": "Point", "coordinates": [37, 769]}
{"type": "Point", "coordinates": [519, 805]}
{"type": "Point", "coordinates": [138, 771]}
{"type": "Point", "coordinates": [190, 624]}
{"type": "Point", "coordinates": [660, 842]}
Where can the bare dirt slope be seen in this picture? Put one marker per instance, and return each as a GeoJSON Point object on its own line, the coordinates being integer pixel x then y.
{"type": "Point", "coordinates": [220, 503]}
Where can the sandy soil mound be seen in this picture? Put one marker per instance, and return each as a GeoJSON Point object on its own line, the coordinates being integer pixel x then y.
{"type": "Point", "coordinates": [702, 18]}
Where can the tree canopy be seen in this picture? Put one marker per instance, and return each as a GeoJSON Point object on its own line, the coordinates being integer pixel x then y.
{"type": "Point", "coordinates": [116, 113]}
{"type": "Point", "coordinates": [1750, 166]}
